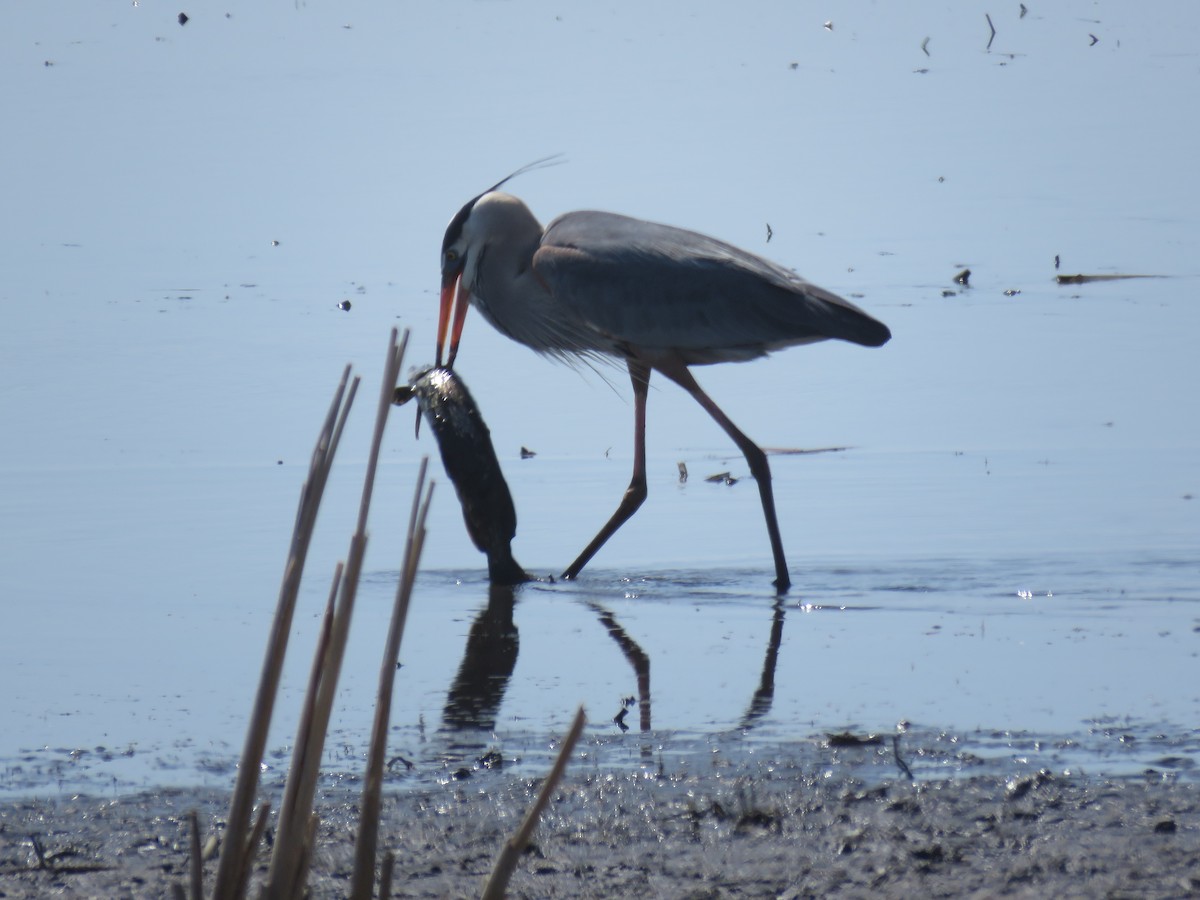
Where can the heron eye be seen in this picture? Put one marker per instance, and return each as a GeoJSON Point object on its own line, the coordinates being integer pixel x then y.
{"type": "Point", "coordinates": [451, 256]}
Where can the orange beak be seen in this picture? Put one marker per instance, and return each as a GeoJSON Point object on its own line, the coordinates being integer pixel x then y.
{"type": "Point", "coordinates": [456, 300]}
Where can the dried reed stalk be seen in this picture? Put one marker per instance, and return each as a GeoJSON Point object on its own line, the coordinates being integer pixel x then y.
{"type": "Point", "coordinates": [363, 883]}
{"type": "Point", "coordinates": [197, 864]}
{"type": "Point", "coordinates": [506, 862]}
{"type": "Point", "coordinates": [385, 876]}
{"type": "Point", "coordinates": [256, 833]}
{"type": "Point", "coordinates": [293, 848]}
{"type": "Point", "coordinates": [237, 847]}
{"type": "Point", "coordinates": [289, 838]}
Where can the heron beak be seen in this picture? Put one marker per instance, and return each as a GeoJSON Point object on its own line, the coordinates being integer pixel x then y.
{"type": "Point", "coordinates": [456, 300]}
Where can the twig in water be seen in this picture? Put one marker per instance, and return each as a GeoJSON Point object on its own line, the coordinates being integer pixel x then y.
{"type": "Point", "coordinates": [991, 26]}
{"type": "Point", "coordinates": [899, 759]}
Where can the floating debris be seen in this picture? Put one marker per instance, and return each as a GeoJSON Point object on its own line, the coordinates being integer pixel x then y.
{"type": "Point", "coordinates": [183, 18]}
{"type": "Point", "coordinates": [344, 306]}
{"type": "Point", "coordinates": [619, 718]}
{"type": "Point", "coordinates": [493, 759]}
{"type": "Point", "coordinates": [682, 472]}
{"type": "Point", "coordinates": [526, 453]}
{"type": "Point", "coordinates": [963, 277]}
{"type": "Point", "coordinates": [849, 739]}
{"type": "Point", "coordinates": [1086, 279]}
{"type": "Point", "coordinates": [1012, 292]}
{"type": "Point", "coordinates": [721, 478]}
{"type": "Point", "coordinates": [796, 451]}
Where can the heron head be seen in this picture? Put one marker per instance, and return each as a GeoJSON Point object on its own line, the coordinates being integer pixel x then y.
{"type": "Point", "coordinates": [494, 224]}
{"type": "Point", "coordinates": [461, 249]}
{"type": "Point", "coordinates": [455, 296]}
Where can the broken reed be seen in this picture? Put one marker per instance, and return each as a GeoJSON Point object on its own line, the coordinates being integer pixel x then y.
{"type": "Point", "coordinates": [293, 849]}
{"type": "Point", "coordinates": [236, 847]}
{"type": "Point", "coordinates": [297, 824]}
{"type": "Point", "coordinates": [510, 853]}
{"type": "Point", "coordinates": [293, 843]}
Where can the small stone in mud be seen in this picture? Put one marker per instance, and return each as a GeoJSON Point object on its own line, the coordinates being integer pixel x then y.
{"type": "Point", "coordinates": [344, 306]}
{"type": "Point", "coordinates": [963, 277]}
{"type": "Point", "coordinates": [1017, 788]}
{"type": "Point", "coordinates": [183, 18]}
{"type": "Point", "coordinates": [526, 453]}
{"type": "Point", "coordinates": [491, 760]}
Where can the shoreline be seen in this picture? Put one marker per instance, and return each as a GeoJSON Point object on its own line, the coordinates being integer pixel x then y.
{"type": "Point", "coordinates": [767, 830]}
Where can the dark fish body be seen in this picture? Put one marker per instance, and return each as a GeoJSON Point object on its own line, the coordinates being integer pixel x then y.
{"type": "Point", "coordinates": [470, 462]}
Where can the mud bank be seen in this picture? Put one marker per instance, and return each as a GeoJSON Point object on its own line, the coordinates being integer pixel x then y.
{"type": "Point", "coordinates": [770, 832]}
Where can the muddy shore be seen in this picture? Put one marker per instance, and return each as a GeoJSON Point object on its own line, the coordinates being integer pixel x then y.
{"type": "Point", "coordinates": [762, 831]}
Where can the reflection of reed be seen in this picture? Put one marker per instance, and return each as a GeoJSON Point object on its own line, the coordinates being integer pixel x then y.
{"type": "Point", "coordinates": [487, 665]}
{"type": "Point", "coordinates": [760, 703]}
{"type": "Point", "coordinates": [637, 658]}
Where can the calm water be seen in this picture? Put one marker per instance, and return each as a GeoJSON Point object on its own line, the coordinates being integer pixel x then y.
{"type": "Point", "coordinates": [1006, 556]}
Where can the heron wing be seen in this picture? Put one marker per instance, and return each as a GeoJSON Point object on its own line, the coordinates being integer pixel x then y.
{"type": "Point", "coordinates": [665, 288]}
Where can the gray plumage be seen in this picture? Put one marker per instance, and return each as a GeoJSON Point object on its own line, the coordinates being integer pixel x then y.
{"type": "Point", "coordinates": [597, 284]}
{"type": "Point", "coordinates": [602, 283]}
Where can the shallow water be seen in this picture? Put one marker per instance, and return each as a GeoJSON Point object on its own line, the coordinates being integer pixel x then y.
{"type": "Point", "coordinates": [1005, 556]}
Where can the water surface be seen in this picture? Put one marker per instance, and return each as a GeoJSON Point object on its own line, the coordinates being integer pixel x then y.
{"type": "Point", "coordinates": [1004, 557]}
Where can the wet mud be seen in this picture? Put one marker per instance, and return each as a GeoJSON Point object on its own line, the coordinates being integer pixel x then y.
{"type": "Point", "coordinates": [767, 830]}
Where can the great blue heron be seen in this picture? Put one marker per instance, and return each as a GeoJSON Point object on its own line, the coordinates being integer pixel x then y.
{"type": "Point", "coordinates": [597, 284]}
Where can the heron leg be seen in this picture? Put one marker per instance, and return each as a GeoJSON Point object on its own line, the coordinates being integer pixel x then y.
{"type": "Point", "coordinates": [679, 373]}
{"type": "Point", "coordinates": [635, 494]}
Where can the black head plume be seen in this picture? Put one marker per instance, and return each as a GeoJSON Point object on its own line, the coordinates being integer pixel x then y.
{"type": "Point", "coordinates": [454, 229]}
